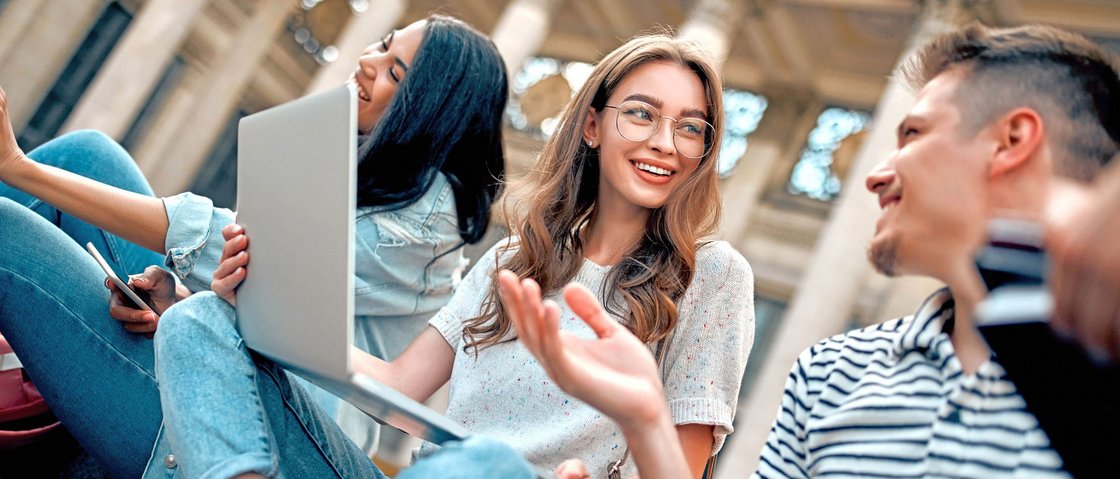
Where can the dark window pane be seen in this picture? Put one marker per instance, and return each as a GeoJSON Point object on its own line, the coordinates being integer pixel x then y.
{"type": "Point", "coordinates": [218, 178]}
{"type": "Point", "coordinates": [813, 175]}
{"type": "Point", "coordinates": [166, 85]}
{"type": "Point", "coordinates": [76, 77]}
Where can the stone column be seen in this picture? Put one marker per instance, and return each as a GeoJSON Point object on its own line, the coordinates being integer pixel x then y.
{"type": "Point", "coordinates": [49, 34]}
{"type": "Point", "coordinates": [133, 69]}
{"type": "Point", "coordinates": [362, 30]}
{"type": "Point", "coordinates": [831, 284]}
{"type": "Point", "coordinates": [172, 170]}
{"type": "Point", "coordinates": [710, 24]}
{"type": "Point", "coordinates": [521, 30]}
{"type": "Point", "coordinates": [14, 20]}
{"type": "Point", "coordinates": [742, 190]}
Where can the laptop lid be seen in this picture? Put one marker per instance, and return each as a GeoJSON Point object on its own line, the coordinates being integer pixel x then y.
{"type": "Point", "coordinates": [296, 186]}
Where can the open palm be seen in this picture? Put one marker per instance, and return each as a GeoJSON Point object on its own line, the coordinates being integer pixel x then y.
{"type": "Point", "coordinates": [614, 373]}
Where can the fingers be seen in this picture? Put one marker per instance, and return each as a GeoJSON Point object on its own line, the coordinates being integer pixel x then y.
{"type": "Point", "coordinates": [1094, 320]}
{"type": "Point", "coordinates": [510, 292]}
{"type": "Point", "coordinates": [1083, 286]}
{"type": "Point", "coordinates": [122, 308]}
{"type": "Point", "coordinates": [549, 338]}
{"type": "Point", "coordinates": [225, 286]}
{"type": "Point", "coordinates": [231, 230]}
{"type": "Point", "coordinates": [1062, 279]}
{"type": "Point", "coordinates": [132, 318]}
{"type": "Point", "coordinates": [155, 280]}
{"type": "Point", "coordinates": [231, 264]}
{"type": "Point", "coordinates": [234, 243]}
{"type": "Point", "coordinates": [141, 328]}
{"type": "Point", "coordinates": [537, 322]}
{"type": "Point", "coordinates": [572, 469]}
{"type": "Point", "coordinates": [585, 305]}
{"type": "Point", "coordinates": [1067, 279]}
{"type": "Point", "coordinates": [232, 268]}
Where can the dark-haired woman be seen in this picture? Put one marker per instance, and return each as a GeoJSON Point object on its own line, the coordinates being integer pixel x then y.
{"type": "Point", "coordinates": [430, 100]}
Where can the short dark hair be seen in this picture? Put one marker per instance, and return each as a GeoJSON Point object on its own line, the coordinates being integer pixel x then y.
{"type": "Point", "coordinates": [446, 117]}
{"type": "Point", "coordinates": [1070, 81]}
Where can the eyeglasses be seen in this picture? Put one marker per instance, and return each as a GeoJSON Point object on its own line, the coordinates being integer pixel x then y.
{"type": "Point", "coordinates": [638, 120]}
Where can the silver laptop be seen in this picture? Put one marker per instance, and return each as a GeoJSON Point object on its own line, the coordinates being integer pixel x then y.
{"type": "Point", "coordinates": [296, 182]}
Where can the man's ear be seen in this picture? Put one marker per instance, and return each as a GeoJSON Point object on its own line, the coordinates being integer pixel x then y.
{"type": "Point", "coordinates": [1020, 134]}
{"type": "Point", "coordinates": [591, 128]}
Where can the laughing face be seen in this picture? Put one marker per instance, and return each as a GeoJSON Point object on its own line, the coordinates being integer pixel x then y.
{"type": "Point", "coordinates": [642, 174]}
{"type": "Point", "coordinates": [381, 69]}
{"type": "Point", "coordinates": [933, 189]}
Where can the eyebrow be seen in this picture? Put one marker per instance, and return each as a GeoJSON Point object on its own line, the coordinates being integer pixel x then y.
{"type": "Point", "coordinates": [686, 113]}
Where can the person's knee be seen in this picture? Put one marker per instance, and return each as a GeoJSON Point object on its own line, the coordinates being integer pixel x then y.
{"type": "Point", "coordinates": [90, 138]}
{"type": "Point", "coordinates": [81, 140]}
{"type": "Point", "coordinates": [474, 454]}
{"type": "Point", "coordinates": [15, 217]}
{"type": "Point", "coordinates": [79, 150]}
{"type": "Point", "coordinates": [186, 327]}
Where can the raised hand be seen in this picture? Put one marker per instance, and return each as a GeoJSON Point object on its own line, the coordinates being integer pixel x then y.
{"type": "Point", "coordinates": [614, 373]}
{"type": "Point", "coordinates": [234, 263]}
{"type": "Point", "coordinates": [10, 154]}
{"type": "Point", "coordinates": [1085, 277]}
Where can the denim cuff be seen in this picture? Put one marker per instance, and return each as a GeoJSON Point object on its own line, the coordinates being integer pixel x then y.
{"type": "Point", "coordinates": [194, 243]}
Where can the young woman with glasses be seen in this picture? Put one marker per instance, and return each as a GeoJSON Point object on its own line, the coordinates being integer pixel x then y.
{"type": "Point", "coordinates": [622, 200]}
{"type": "Point", "coordinates": [430, 101]}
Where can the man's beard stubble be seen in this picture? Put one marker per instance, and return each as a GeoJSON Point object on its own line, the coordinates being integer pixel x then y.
{"type": "Point", "coordinates": [883, 255]}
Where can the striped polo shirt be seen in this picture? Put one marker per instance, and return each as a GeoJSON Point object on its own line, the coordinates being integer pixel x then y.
{"type": "Point", "coordinates": [891, 400]}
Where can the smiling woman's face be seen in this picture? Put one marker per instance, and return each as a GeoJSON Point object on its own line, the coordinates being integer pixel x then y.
{"type": "Point", "coordinates": [381, 68]}
{"type": "Point", "coordinates": [644, 173]}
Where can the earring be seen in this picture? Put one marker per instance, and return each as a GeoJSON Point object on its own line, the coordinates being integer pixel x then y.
{"type": "Point", "coordinates": [590, 144]}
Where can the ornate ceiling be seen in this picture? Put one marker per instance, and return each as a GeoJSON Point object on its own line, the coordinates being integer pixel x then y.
{"type": "Point", "coordinates": [841, 50]}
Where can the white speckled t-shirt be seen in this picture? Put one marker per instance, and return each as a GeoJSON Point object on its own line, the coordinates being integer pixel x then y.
{"type": "Point", "coordinates": [503, 393]}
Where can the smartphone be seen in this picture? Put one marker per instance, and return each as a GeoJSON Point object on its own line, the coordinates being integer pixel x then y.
{"type": "Point", "coordinates": [128, 291]}
{"type": "Point", "coordinates": [1072, 395]}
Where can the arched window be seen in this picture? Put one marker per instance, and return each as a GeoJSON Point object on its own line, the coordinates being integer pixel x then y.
{"type": "Point", "coordinates": [541, 90]}
{"type": "Point", "coordinates": [742, 112]}
{"type": "Point", "coordinates": [815, 175]}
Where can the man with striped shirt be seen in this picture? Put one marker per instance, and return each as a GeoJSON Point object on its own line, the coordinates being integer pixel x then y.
{"type": "Point", "coordinates": [1008, 122]}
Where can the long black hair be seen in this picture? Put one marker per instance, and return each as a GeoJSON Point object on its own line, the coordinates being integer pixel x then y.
{"type": "Point", "coordinates": [445, 117]}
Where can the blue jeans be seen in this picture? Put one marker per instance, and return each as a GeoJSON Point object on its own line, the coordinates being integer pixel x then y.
{"type": "Point", "coordinates": [93, 155]}
{"type": "Point", "coordinates": [229, 411]}
{"type": "Point", "coordinates": [97, 378]}
{"type": "Point", "coordinates": [100, 380]}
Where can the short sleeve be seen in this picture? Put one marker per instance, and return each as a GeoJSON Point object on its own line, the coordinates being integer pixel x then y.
{"type": "Point", "coordinates": [194, 238]}
{"type": "Point", "coordinates": [469, 297]}
{"type": "Point", "coordinates": [703, 368]}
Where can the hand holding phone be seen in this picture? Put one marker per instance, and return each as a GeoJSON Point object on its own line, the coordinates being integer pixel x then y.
{"type": "Point", "coordinates": [124, 287]}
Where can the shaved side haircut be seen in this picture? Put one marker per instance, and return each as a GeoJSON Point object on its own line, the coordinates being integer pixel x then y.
{"type": "Point", "coordinates": [1069, 80]}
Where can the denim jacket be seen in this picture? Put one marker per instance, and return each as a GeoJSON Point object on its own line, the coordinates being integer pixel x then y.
{"type": "Point", "coordinates": [400, 281]}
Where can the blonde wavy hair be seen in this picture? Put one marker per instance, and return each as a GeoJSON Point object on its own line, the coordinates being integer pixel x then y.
{"type": "Point", "coordinates": [558, 198]}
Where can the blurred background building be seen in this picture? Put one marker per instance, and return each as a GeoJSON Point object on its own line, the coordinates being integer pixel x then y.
{"type": "Point", "coordinates": [810, 108]}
